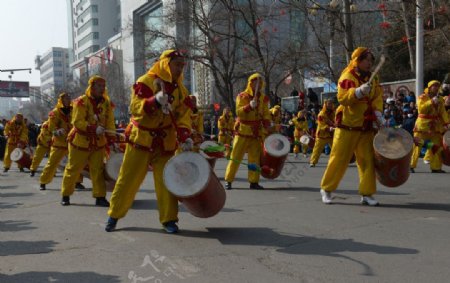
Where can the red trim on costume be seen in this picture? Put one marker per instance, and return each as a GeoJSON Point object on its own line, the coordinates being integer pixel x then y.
{"type": "Point", "coordinates": [150, 105]}
{"type": "Point", "coordinates": [426, 116]}
{"type": "Point", "coordinates": [347, 84]}
{"type": "Point", "coordinates": [247, 108]}
{"type": "Point", "coordinates": [79, 101]}
{"type": "Point", "coordinates": [183, 134]}
{"type": "Point", "coordinates": [90, 129]}
{"type": "Point", "coordinates": [266, 99]}
{"type": "Point", "coordinates": [142, 90]}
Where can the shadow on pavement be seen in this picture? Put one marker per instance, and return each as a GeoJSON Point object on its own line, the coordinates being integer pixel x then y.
{"type": "Point", "coordinates": [420, 206]}
{"type": "Point", "coordinates": [297, 244]}
{"type": "Point", "coordinates": [23, 247]}
{"type": "Point", "coordinates": [4, 205]}
{"type": "Point", "coordinates": [13, 225]}
{"type": "Point", "coordinates": [62, 277]}
{"type": "Point", "coordinates": [12, 195]}
{"type": "Point", "coordinates": [338, 191]}
{"type": "Point", "coordinates": [7, 187]}
{"type": "Point", "coordinates": [152, 204]}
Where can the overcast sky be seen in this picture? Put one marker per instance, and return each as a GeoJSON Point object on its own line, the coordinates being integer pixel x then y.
{"type": "Point", "coordinates": [29, 28]}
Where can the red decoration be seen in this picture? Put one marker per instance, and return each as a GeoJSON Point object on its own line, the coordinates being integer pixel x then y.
{"type": "Point", "coordinates": [385, 25]}
{"type": "Point", "coordinates": [258, 21]}
{"type": "Point", "coordinates": [216, 106]}
{"type": "Point", "coordinates": [405, 39]}
{"type": "Point", "coordinates": [282, 12]}
{"type": "Point", "coordinates": [442, 10]}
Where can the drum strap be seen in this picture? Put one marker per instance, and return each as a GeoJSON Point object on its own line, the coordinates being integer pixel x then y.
{"type": "Point", "coordinates": [149, 149]}
{"type": "Point", "coordinates": [86, 149]}
{"type": "Point", "coordinates": [360, 129]}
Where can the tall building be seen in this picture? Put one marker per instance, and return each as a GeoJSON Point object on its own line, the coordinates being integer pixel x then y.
{"type": "Point", "coordinates": [55, 72]}
{"type": "Point", "coordinates": [92, 24]}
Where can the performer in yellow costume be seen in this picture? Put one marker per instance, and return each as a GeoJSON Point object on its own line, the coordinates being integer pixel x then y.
{"type": "Point", "coordinates": [59, 124]}
{"type": "Point", "coordinates": [430, 126]}
{"type": "Point", "coordinates": [252, 108]}
{"type": "Point", "coordinates": [16, 132]}
{"type": "Point", "coordinates": [275, 114]}
{"type": "Point", "coordinates": [92, 116]}
{"type": "Point", "coordinates": [44, 142]}
{"type": "Point", "coordinates": [160, 122]}
{"type": "Point", "coordinates": [226, 126]}
{"type": "Point", "coordinates": [357, 117]}
{"type": "Point", "coordinates": [197, 124]}
{"type": "Point", "coordinates": [324, 133]}
{"type": "Point", "coordinates": [301, 128]}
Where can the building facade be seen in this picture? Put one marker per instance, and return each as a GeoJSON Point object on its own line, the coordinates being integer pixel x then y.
{"type": "Point", "coordinates": [55, 72]}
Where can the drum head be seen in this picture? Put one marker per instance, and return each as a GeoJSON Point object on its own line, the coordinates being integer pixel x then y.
{"type": "Point", "coordinates": [277, 145]}
{"type": "Point", "coordinates": [393, 143]}
{"type": "Point", "coordinates": [204, 145]}
{"type": "Point", "coordinates": [446, 139]}
{"type": "Point", "coordinates": [186, 174]}
{"type": "Point", "coordinates": [304, 139]}
{"type": "Point", "coordinates": [16, 154]}
{"type": "Point", "coordinates": [113, 165]}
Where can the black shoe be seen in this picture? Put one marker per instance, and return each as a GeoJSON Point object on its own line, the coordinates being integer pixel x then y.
{"type": "Point", "coordinates": [5, 170]}
{"type": "Point", "coordinates": [228, 186]}
{"type": "Point", "coordinates": [79, 186]}
{"type": "Point", "coordinates": [438, 171]}
{"type": "Point", "coordinates": [412, 170]}
{"type": "Point", "coordinates": [42, 187]}
{"type": "Point", "coordinates": [101, 201]}
{"type": "Point", "coordinates": [65, 201]}
{"type": "Point", "coordinates": [256, 186]}
{"type": "Point", "coordinates": [21, 170]}
{"type": "Point", "coordinates": [312, 165]}
{"type": "Point", "coordinates": [32, 173]}
{"type": "Point", "coordinates": [111, 224]}
{"type": "Point", "coordinates": [170, 227]}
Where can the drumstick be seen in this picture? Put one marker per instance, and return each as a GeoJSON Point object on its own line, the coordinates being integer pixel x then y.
{"type": "Point", "coordinates": [377, 69]}
{"type": "Point", "coordinates": [114, 133]}
{"type": "Point", "coordinates": [165, 107]}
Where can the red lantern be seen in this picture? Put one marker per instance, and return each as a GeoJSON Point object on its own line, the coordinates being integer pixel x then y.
{"type": "Point", "coordinates": [216, 107]}
{"type": "Point", "coordinates": [405, 39]}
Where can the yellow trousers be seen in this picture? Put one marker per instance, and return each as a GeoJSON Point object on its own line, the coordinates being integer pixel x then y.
{"type": "Point", "coordinates": [297, 146]}
{"type": "Point", "coordinates": [318, 148]}
{"type": "Point", "coordinates": [7, 158]}
{"type": "Point", "coordinates": [226, 139]}
{"type": "Point", "coordinates": [427, 155]}
{"type": "Point", "coordinates": [75, 164]}
{"type": "Point", "coordinates": [242, 145]}
{"type": "Point", "coordinates": [345, 143]}
{"type": "Point", "coordinates": [132, 173]}
{"type": "Point", "coordinates": [39, 154]}
{"type": "Point", "coordinates": [434, 158]}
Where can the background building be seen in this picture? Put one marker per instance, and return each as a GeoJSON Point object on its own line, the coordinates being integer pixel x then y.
{"type": "Point", "coordinates": [55, 72]}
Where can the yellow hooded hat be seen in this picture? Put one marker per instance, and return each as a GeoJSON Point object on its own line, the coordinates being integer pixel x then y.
{"type": "Point", "coordinates": [91, 81]}
{"type": "Point", "coordinates": [356, 57]}
{"type": "Point", "coordinates": [255, 76]}
{"type": "Point", "coordinates": [430, 84]}
{"type": "Point", "coordinates": [60, 104]}
{"type": "Point", "coordinates": [161, 68]}
{"type": "Point", "coordinates": [275, 110]}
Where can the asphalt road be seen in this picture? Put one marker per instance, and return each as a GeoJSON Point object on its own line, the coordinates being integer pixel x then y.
{"type": "Point", "coordinates": [281, 234]}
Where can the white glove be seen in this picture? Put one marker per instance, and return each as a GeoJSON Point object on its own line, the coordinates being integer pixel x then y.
{"type": "Point", "coordinates": [253, 104]}
{"type": "Point", "coordinates": [363, 90]}
{"type": "Point", "coordinates": [435, 100]}
{"type": "Point", "coordinates": [60, 132]}
{"type": "Point", "coordinates": [445, 86]}
{"type": "Point", "coordinates": [380, 119]}
{"type": "Point", "coordinates": [99, 130]}
{"type": "Point", "coordinates": [162, 98]}
{"type": "Point", "coordinates": [187, 145]}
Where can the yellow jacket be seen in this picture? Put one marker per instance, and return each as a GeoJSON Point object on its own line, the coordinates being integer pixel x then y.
{"type": "Point", "coordinates": [325, 120]}
{"type": "Point", "coordinates": [357, 113]}
{"type": "Point", "coordinates": [16, 133]}
{"type": "Point", "coordinates": [225, 125]}
{"type": "Point", "coordinates": [58, 120]}
{"type": "Point", "coordinates": [45, 136]}
{"type": "Point", "coordinates": [301, 126]}
{"type": "Point", "coordinates": [86, 116]}
{"type": "Point", "coordinates": [197, 127]}
{"type": "Point", "coordinates": [275, 114]}
{"type": "Point", "coordinates": [252, 122]}
{"type": "Point", "coordinates": [432, 118]}
{"type": "Point", "coordinates": [149, 121]}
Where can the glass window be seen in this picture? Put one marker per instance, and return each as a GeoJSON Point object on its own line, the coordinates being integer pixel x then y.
{"type": "Point", "coordinates": [153, 21]}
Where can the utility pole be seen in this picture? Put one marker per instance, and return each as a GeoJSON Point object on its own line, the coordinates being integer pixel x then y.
{"type": "Point", "coordinates": [419, 47]}
{"type": "Point", "coordinates": [348, 30]}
